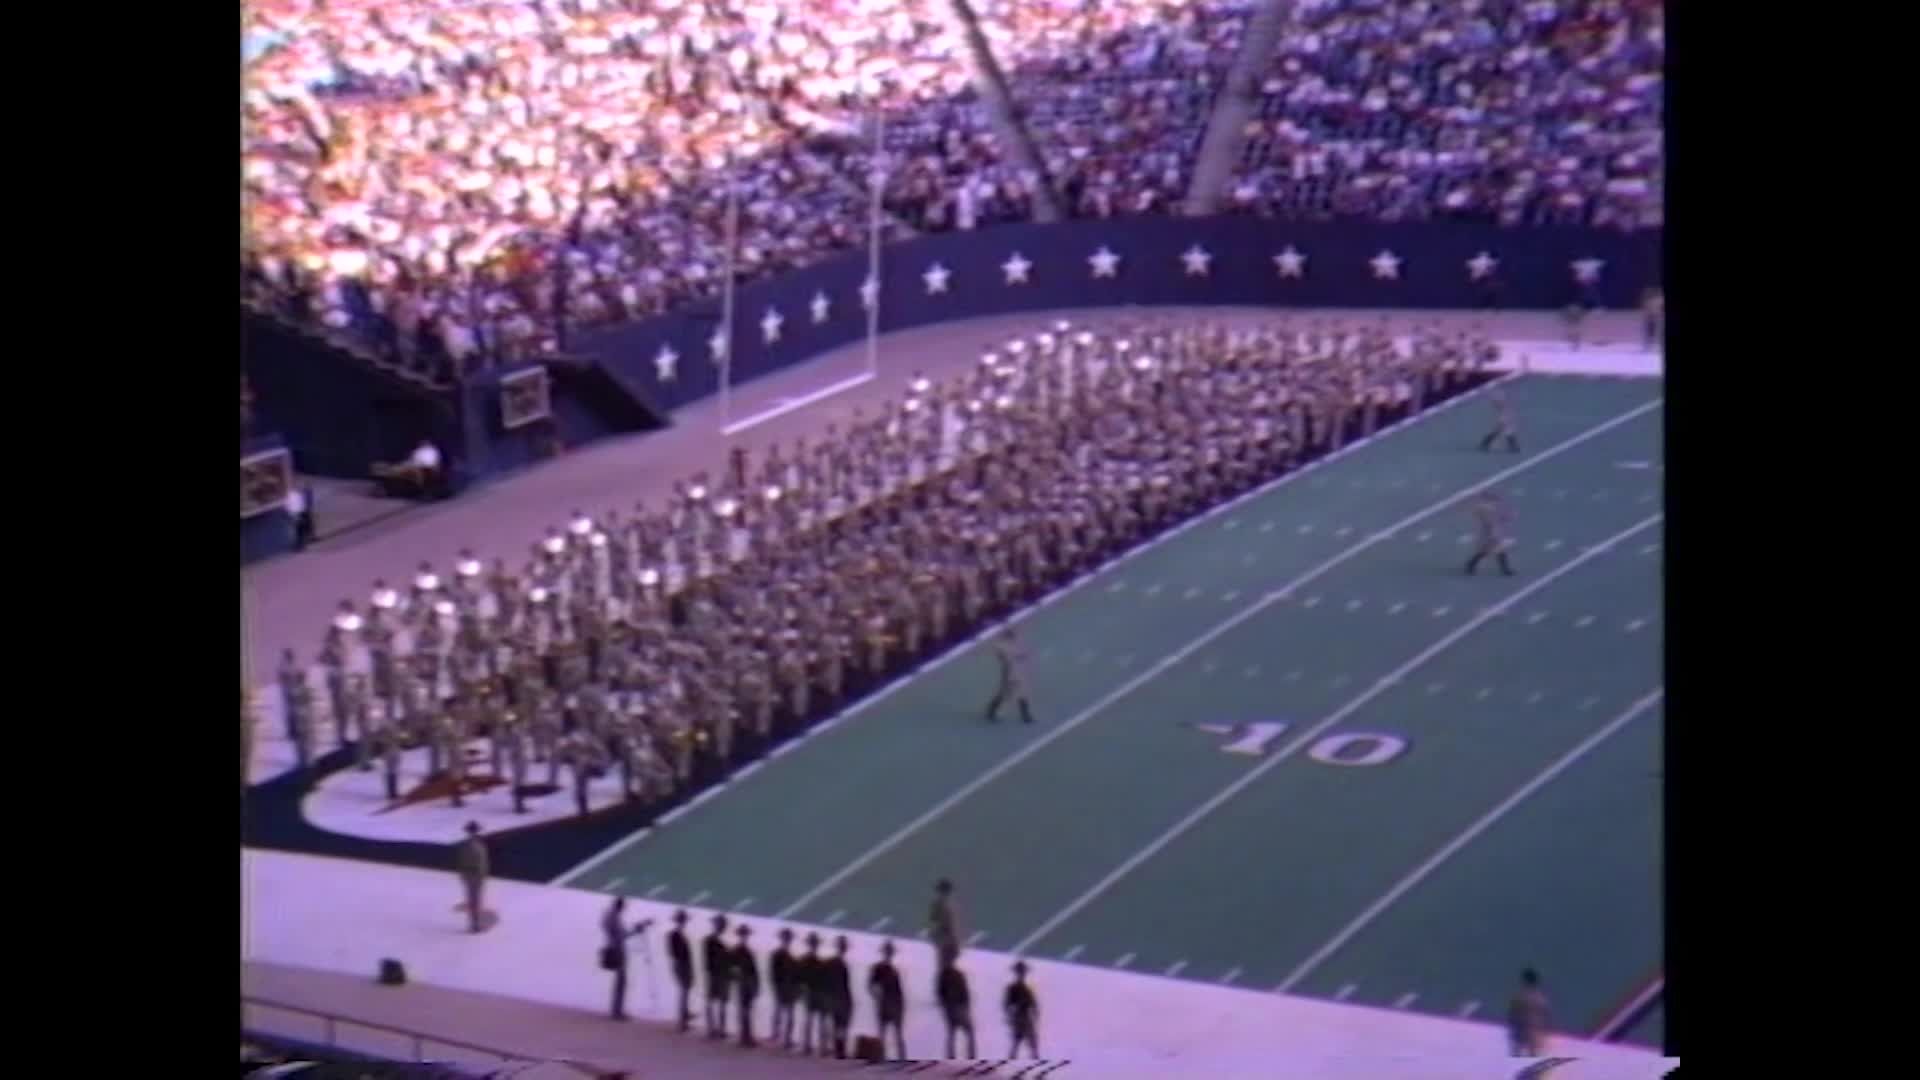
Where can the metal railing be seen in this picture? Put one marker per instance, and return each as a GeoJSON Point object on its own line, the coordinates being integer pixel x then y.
{"type": "Point", "coordinates": [498, 1062]}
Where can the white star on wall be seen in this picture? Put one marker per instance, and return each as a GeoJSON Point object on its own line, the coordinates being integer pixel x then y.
{"type": "Point", "coordinates": [1104, 262]}
{"type": "Point", "coordinates": [717, 344]}
{"type": "Point", "coordinates": [666, 363]}
{"type": "Point", "coordinates": [1481, 266]}
{"type": "Point", "coordinates": [770, 326]}
{"type": "Point", "coordinates": [869, 293]}
{"type": "Point", "coordinates": [1290, 263]}
{"type": "Point", "coordinates": [1587, 271]}
{"type": "Point", "coordinates": [1386, 266]}
{"type": "Point", "coordinates": [1197, 260]}
{"type": "Point", "coordinates": [936, 278]}
{"type": "Point", "coordinates": [820, 307]}
{"type": "Point", "coordinates": [1016, 269]}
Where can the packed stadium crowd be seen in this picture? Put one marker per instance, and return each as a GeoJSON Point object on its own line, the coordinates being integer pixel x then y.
{"type": "Point", "coordinates": [449, 183]}
{"type": "Point", "coordinates": [664, 645]}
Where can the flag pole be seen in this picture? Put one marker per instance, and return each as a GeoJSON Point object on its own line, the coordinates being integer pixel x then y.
{"type": "Point", "coordinates": [877, 179]}
{"type": "Point", "coordinates": [726, 302]}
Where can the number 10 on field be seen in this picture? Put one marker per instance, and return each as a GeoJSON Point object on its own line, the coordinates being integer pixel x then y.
{"type": "Point", "coordinates": [1345, 749]}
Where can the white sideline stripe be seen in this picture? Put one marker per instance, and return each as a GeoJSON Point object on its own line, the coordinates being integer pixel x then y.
{"type": "Point", "coordinates": [1611, 1028]}
{"type": "Point", "coordinates": [615, 884]}
{"type": "Point", "coordinates": [782, 408]}
{"type": "Point", "coordinates": [1453, 846]}
{"type": "Point", "coordinates": [880, 924]}
{"type": "Point", "coordinates": [1468, 1009]}
{"type": "Point", "coordinates": [1073, 952]}
{"type": "Point", "coordinates": [699, 896]}
{"type": "Point", "coordinates": [961, 648]}
{"type": "Point", "coordinates": [1274, 760]}
{"type": "Point", "coordinates": [656, 890]}
{"type": "Point", "coordinates": [1405, 1000]}
{"type": "Point", "coordinates": [966, 790]}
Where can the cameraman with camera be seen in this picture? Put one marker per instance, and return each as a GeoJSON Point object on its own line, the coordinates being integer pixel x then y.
{"type": "Point", "coordinates": [613, 954]}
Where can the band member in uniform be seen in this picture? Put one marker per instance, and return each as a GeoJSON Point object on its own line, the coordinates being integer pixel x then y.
{"type": "Point", "coordinates": [786, 989]}
{"type": "Point", "coordinates": [613, 954]}
{"type": "Point", "coordinates": [392, 741]}
{"type": "Point", "coordinates": [680, 952]}
{"type": "Point", "coordinates": [839, 983]}
{"type": "Point", "coordinates": [1504, 426]}
{"type": "Point", "coordinates": [1528, 1017]}
{"type": "Point", "coordinates": [956, 1006]}
{"type": "Point", "coordinates": [1023, 1012]}
{"type": "Point", "coordinates": [889, 1000]}
{"type": "Point", "coordinates": [943, 923]}
{"type": "Point", "coordinates": [1012, 660]}
{"type": "Point", "coordinates": [718, 960]}
{"type": "Point", "coordinates": [746, 983]}
{"type": "Point", "coordinates": [301, 722]}
{"type": "Point", "coordinates": [1493, 521]}
{"type": "Point", "coordinates": [291, 677]}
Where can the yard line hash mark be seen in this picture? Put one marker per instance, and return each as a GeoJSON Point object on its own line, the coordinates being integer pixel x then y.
{"type": "Point", "coordinates": [1179, 655]}
{"type": "Point", "coordinates": [1487, 820]}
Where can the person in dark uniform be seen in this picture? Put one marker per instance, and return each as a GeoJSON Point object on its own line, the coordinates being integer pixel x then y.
{"type": "Point", "coordinates": [813, 991]}
{"type": "Point", "coordinates": [719, 962]}
{"type": "Point", "coordinates": [746, 984]}
{"type": "Point", "coordinates": [1013, 675]}
{"type": "Point", "coordinates": [943, 923]}
{"type": "Point", "coordinates": [613, 953]}
{"type": "Point", "coordinates": [1493, 522]}
{"type": "Point", "coordinates": [889, 1000]}
{"type": "Point", "coordinates": [785, 970]}
{"type": "Point", "coordinates": [956, 1006]}
{"type": "Point", "coordinates": [680, 951]}
{"type": "Point", "coordinates": [839, 983]}
{"type": "Point", "coordinates": [1504, 425]}
{"type": "Point", "coordinates": [1023, 1012]}
{"type": "Point", "coordinates": [1528, 1017]}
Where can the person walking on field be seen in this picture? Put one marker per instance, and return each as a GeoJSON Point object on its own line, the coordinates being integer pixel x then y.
{"type": "Point", "coordinates": [471, 862]}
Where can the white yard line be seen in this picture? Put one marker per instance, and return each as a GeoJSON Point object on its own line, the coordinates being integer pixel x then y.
{"type": "Point", "coordinates": [967, 790]}
{"type": "Point", "coordinates": [1610, 1028]}
{"type": "Point", "coordinates": [1307, 735]}
{"type": "Point", "coordinates": [1487, 820]}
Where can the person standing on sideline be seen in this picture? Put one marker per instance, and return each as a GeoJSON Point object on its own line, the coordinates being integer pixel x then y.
{"type": "Point", "coordinates": [1528, 1017]}
{"type": "Point", "coordinates": [1013, 675]}
{"type": "Point", "coordinates": [1493, 521]}
{"type": "Point", "coordinates": [786, 989]}
{"type": "Point", "coordinates": [680, 952]}
{"type": "Point", "coordinates": [613, 954]}
{"type": "Point", "coordinates": [889, 1001]}
{"type": "Point", "coordinates": [746, 983]}
{"type": "Point", "coordinates": [956, 1006]}
{"type": "Point", "coordinates": [839, 997]}
{"type": "Point", "coordinates": [299, 504]}
{"type": "Point", "coordinates": [943, 923]}
{"type": "Point", "coordinates": [813, 985]}
{"type": "Point", "coordinates": [718, 959]}
{"type": "Point", "coordinates": [1653, 313]}
{"type": "Point", "coordinates": [470, 859]}
{"type": "Point", "coordinates": [1023, 1012]}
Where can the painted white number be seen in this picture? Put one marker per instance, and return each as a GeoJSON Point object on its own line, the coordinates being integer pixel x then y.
{"type": "Point", "coordinates": [1351, 748]}
{"type": "Point", "coordinates": [1380, 749]}
{"type": "Point", "coordinates": [1254, 741]}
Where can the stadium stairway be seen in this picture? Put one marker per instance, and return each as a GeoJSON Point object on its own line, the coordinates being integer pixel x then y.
{"type": "Point", "coordinates": [1233, 108]}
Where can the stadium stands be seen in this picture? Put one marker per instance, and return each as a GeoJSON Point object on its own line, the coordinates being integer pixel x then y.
{"type": "Point", "coordinates": [456, 183]}
{"type": "Point", "coordinates": [1511, 111]}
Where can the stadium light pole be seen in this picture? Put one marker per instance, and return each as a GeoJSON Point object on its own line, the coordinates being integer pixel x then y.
{"type": "Point", "coordinates": [726, 299]}
{"type": "Point", "coordinates": [877, 178]}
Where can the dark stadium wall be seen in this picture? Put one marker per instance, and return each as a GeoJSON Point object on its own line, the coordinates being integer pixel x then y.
{"type": "Point", "coordinates": [338, 415]}
{"type": "Point", "coordinates": [1534, 271]}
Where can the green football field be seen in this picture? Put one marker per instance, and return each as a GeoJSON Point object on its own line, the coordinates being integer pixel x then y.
{"type": "Point", "coordinates": [1289, 747]}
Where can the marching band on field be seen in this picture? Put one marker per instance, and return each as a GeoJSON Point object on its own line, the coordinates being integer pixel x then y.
{"type": "Point", "coordinates": [661, 643]}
